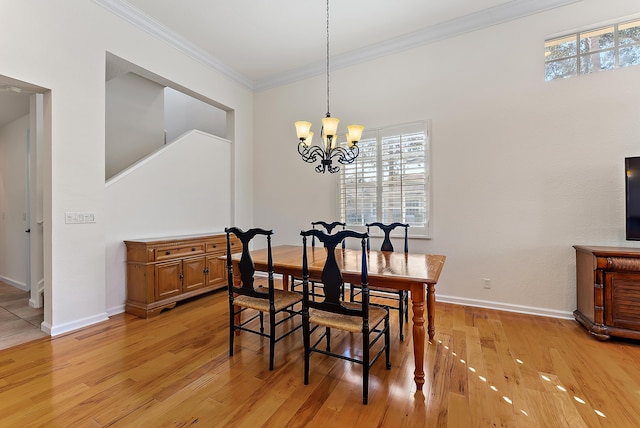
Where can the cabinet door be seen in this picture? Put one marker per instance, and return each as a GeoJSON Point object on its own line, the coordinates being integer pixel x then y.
{"type": "Point", "coordinates": [217, 272]}
{"type": "Point", "coordinates": [168, 279]}
{"type": "Point", "coordinates": [194, 274]}
{"type": "Point", "coordinates": [622, 301]}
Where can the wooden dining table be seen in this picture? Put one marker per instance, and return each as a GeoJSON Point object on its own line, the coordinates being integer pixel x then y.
{"type": "Point", "coordinates": [394, 270]}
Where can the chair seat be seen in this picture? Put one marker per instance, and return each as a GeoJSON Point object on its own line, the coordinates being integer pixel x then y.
{"type": "Point", "coordinates": [282, 299]}
{"type": "Point", "coordinates": [349, 323]}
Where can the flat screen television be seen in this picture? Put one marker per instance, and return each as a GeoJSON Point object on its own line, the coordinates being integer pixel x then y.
{"type": "Point", "coordinates": [632, 197]}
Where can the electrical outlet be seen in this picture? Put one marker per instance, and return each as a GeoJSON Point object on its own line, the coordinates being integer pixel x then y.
{"type": "Point", "coordinates": [486, 282]}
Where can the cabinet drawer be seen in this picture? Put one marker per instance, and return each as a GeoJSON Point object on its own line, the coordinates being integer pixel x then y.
{"type": "Point", "coordinates": [172, 252]}
{"type": "Point", "coordinates": [220, 245]}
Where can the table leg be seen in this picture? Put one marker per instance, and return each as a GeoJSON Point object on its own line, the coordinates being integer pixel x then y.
{"type": "Point", "coordinates": [417, 299]}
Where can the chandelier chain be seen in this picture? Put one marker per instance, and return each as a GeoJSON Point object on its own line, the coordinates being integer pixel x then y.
{"type": "Point", "coordinates": [328, 111]}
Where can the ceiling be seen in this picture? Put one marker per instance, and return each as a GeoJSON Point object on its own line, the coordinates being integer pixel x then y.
{"type": "Point", "coordinates": [281, 35]}
{"type": "Point", "coordinates": [14, 98]}
{"type": "Point", "coordinates": [12, 106]}
{"type": "Point", "coordinates": [266, 43]}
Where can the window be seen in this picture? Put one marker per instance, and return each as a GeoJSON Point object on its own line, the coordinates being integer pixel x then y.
{"type": "Point", "coordinates": [599, 49]}
{"type": "Point", "coordinates": [389, 181]}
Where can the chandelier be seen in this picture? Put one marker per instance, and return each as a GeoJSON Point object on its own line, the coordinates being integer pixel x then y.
{"type": "Point", "coordinates": [330, 149]}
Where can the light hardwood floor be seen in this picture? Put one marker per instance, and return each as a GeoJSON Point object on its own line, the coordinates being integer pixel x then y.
{"type": "Point", "coordinates": [19, 323]}
{"type": "Point", "coordinates": [484, 368]}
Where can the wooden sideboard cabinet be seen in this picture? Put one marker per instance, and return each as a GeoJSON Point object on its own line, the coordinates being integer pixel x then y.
{"type": "Point", "coordinates": [163, 271]}
{"type": "Point", "coordinates": [608, 291]}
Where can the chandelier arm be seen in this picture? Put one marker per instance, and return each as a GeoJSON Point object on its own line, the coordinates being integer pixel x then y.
{"type": "Point", "coordinates": [310, 154]}
{"type": "Point", "coordinates": [345, 156]}
{"type": "Point", "coordinates": [338, 151]}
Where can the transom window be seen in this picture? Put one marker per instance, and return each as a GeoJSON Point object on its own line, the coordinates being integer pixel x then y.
{"type": "Point", "coordinates": [599, 49]}
{"type": "Point", "coordinates": [389, 181]}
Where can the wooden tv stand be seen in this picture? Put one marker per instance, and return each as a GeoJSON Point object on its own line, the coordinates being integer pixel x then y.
{"type": "Point", "coordinates": [163, 271]}
{"type": "Point", "coordinates": [608, 291]}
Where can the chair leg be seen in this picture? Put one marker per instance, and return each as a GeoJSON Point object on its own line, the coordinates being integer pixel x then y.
{"type": "Point", "coordinates": [365, 367]}
{"type": "Point", "coordinates": [401, 313]}
{"type": "Point", "coordinates": [261, 322]}
{"type": "Point", "coordinates": [387, 342]}
{"type": "Point", "coordinates": [307, 345]}
{"type": "Point", "coordinates": [232, 327]}
{"type": "Point", "coordinates": [328, 336]}
{"type": "Point", "coordinates": [272, 337]}
{"type": "Point", "coordinates": [406, 306]}
{"type": "Point", "coordinates": [351, 296]}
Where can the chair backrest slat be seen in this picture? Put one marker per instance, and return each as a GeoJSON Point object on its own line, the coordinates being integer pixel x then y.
{"type": "Point", "coordinates": [246, 267]}
{"type": "Point", "coordinates": [328, 227]}
{"type": "Point", "coordinates": [331, 275]}
{"type": "Point", "coordinates": [387, 228]}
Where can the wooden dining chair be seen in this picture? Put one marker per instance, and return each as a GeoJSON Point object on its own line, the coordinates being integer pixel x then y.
{"type": "Point", "coordinates": [399, 296]}
{"type": "Point", "coordinates": [259, 300]}
{"type": "Point", "coordinates": [315, 287]}
{"type": "Point", "coordinates": [328, 227]}
{"type": "Point", "coordinates": [332, 312]}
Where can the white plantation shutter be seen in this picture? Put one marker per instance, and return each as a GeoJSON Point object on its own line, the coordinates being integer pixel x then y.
{"type": "Point", "coordinates": [359, 188]}
{"type": "Point", "coordinates": [389, 182]}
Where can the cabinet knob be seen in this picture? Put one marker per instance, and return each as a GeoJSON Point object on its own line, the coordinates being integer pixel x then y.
{"type": "Point", "coordinates": [193, 249]}
{"type": "Point", "coordinates": [215, 246]}
{"type": "Point", "coordinates": [168, 253]}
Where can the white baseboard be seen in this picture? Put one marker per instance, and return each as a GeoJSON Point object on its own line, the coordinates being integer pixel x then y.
{"type": "Point", "coordinates": [38, 300]}
{"type": "Point", "coordinates": [22, 286]}
{"type": "Point", "coordinates": [74, 325]}
{"type": "Point", "coordinates": [508, 307]}
{"type": "Point", "coordinates": [115, 310]}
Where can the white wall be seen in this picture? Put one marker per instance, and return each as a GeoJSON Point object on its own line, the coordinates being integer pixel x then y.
{"type": "Point", "coordinates": [62, 46]}
{"type": "Point", "coordinates": [183, 188]}
{"type": "Point", "coordinates": [183, 113]}
{"type": "Point", "coordinates": [521, 171]}
{"type": "Point", "coordinates": [14, 241]}
{"type": "Point", "coordinates": [134, 124]}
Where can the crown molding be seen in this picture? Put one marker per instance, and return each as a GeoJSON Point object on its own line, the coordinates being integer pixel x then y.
{"type": "Point", "coordinates": [485, 18]}
{"type": "Point", "coordinates": [134, 16]}
{"type": "Point", "coordinates": [514, 9]}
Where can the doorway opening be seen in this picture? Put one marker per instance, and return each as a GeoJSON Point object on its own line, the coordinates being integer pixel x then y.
{"type": "Point", "coordinates": [24, 170]}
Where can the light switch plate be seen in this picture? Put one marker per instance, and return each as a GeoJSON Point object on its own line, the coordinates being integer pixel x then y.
{"type": "Point", "coordinates": [72, 217]}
